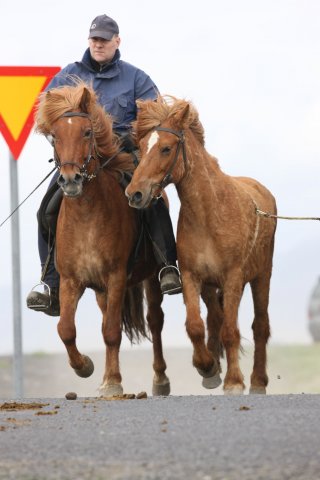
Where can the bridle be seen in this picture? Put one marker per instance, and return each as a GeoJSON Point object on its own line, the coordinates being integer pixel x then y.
{"type": "Point", "coordinates": [91, 153]}
{"type": "Point", "coordinates": [181, 145]}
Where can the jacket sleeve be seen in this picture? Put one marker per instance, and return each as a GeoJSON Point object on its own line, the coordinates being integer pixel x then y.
{"type": "Point", "coordinates": [61, 78]}
{"type": "Point", "coordinates": [145, 88]}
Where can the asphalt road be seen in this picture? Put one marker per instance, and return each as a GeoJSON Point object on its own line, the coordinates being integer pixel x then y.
{"type": "Point", "coordinates": [179, 437]}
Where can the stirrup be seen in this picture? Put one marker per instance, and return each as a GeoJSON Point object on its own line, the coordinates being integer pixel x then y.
{"type": "Point", "coordinates": [41, 307]}
{"type": "Point", "coordinates": [173, 287]}
{"type": "Point", "coordinates": [165, 267]}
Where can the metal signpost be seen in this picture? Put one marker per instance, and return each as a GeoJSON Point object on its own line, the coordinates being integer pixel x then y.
{"type": "Point", "coordinates": [19, 90]}
{"type": "Point", "coordinates": [16, 284]}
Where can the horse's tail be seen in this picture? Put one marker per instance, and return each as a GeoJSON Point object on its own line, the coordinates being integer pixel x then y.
{"type": "Point", "coordinates": [133, 321]}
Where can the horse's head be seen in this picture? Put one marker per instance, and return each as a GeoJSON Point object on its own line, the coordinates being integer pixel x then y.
{"type": "Point", "coordinates": [73, 144]}
{"type": "Point", "coordinates": [69, 115]}
{"type": "Point", "coordinates": [160, 129]}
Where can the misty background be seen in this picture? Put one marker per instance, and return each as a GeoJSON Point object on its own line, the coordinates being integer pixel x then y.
{"type": "Point", "coordinates": [252, 69]}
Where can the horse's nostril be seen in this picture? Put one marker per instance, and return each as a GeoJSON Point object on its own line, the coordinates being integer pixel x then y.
{"type": "Point", "coordinates": [78, 178]}
{"type": "Point", "coordinates": [61, 180]}
{"type": "Point", "coordinates": [137, 197]}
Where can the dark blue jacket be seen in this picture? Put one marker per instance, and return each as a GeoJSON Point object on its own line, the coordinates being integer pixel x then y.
{"type": "Point", "coordinates": [117, 84]}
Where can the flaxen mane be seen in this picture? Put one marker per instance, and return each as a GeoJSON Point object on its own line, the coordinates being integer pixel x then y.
{"type": "Point", "coordinates": [54, 103]}
{"type": "Point", "coordinates": [156, 112]}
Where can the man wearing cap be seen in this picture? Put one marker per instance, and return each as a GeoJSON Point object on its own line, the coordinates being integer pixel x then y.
{"type": "Point", "coordinates": [118, 85]}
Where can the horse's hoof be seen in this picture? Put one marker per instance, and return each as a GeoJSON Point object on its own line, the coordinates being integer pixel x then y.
{"type": "Point", "coordinates": [212, 382]}
{"type": "Point", "coordinates": [234, 390]}
{"type": "Point", "coordinates": [113, 390]}
{"type": "Point", "coordinates": [257, 390]}
{"type": "Point", "coordinates": [87, 368]}
{"type": "Point", "coordinates": [211, 378]}
{"type": "Point", "coordinates": [159, 389]}
{"type": "Point", "coordinates": [207, 373]}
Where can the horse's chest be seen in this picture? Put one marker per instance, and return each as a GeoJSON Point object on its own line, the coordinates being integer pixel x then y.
{"type": "Point", "coordinates": [89, 265]}
{"type": "Point", "coordinates": [91, 260]}
{"type": "Point", "coordinates": [207, 262]}
{"type": "Point", "coordinates": [201, 257]}
{"type": "Point", "coordinates": [86, 256]}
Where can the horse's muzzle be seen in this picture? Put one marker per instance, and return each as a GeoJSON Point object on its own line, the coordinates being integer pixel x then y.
{"type": "Point", "coordinates": [71, 187]}
{"type": "Point", "coordinates": [138, 200]}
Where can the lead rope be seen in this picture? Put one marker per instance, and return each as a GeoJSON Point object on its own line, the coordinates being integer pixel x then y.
{"type": "Point", "coordinates": [270, 215]}
{"type": "Point", "coordinates": [45, 178]}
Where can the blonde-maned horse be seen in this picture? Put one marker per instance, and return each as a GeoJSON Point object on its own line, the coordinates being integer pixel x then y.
{"type": "Point", "coordinates": [97, 232]}
{"type": "Point", "coordinates": [222, 242]}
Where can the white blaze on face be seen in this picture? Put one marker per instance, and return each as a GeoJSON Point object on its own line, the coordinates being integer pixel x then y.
{"type": "Point", "coordinates": [154, 137]}
{"type": "Point", "coordinates": [70, 120]}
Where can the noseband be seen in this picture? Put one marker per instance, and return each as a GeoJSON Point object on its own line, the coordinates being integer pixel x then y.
{"type": "Point", "coordinates": [181, 145]}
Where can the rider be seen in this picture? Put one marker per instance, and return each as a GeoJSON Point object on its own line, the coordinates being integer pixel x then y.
{"type": "Point", "coordinates": [118, 85]}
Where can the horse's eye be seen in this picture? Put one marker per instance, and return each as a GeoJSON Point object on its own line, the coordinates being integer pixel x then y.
{"type": "Point", "coordinates": [88, 133]}
{"type": "Point", "coordinates": [165, 150]}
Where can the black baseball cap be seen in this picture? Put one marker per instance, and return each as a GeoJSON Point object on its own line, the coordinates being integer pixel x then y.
{"type": "Point", "coordinates": [103, 27]}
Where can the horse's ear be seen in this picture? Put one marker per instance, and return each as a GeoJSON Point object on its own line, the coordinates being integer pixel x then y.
{"type": "Point", "coordinates": [180, 117]}
{"type": "Point", "coordinates": [85, 101]}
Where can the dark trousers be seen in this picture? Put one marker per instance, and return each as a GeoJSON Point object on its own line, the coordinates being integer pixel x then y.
{"type": "Point", "coordinates": [158, 224]}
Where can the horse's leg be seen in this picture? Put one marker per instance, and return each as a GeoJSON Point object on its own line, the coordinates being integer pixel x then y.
{"type": "Point", "coordinates": [161, 383]}
{"type": "Point", "coordinates": [261, 332]}
{"type": "Point", "coordinates": [69, 297]}
{"type": "Point", "coordinates": [214, 322]}
{"type": "Point", "coordinates": [230, 335]}
{"type": "Point", "coordinates": [202, 358]}
{"type": "Point", "coordinates": [111, 307]}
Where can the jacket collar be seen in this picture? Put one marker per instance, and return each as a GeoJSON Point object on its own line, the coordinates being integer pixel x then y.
{"type": "Point", "coordinates": [92, 65]}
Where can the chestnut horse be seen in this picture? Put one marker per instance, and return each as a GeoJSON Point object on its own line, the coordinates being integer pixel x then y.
{"type": "Point", "coordinates": [97, 232]}
{"type": "Point", "coordinates": [222, 242]}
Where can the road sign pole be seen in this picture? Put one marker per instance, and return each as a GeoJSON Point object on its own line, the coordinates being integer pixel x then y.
{"type": "Point", "coordinates": [16, 282]}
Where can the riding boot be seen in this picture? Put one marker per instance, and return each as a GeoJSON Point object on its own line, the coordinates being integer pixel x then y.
{"type": "Point", "coordinates": [159, 227]}
{"type": "Point", "coordinates": [48, 300]}
{"type": "Point", "coordinates": [170, 282]}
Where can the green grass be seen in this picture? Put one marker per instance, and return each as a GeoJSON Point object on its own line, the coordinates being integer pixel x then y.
{"type": "Point", "coordinates": [291, 368]}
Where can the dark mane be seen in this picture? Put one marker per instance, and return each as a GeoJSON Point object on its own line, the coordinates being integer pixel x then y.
{"type": "Point", "coordinates": [156, 112]}
{"type": "Point", "coordinates": [54, 103]}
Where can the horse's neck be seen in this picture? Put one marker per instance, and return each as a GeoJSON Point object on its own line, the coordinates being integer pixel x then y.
{"type": "Point", "coordinates": [203, 184]}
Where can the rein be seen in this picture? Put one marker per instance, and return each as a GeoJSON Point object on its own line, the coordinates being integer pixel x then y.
{"type": "Point", "coordinates": [82, 168]}
{"type": "Point", "coordinates": [36, 188]}
{"type": "Point", "coordinates": [181, 144]}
